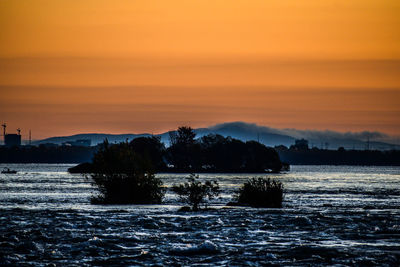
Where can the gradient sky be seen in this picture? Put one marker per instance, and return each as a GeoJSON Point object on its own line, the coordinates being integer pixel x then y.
{"type": "Point", "coordinates": [148, 66]}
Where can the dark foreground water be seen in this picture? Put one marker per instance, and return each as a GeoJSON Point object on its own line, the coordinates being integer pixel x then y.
{"type": "Point", "coordinates": [331, 215]}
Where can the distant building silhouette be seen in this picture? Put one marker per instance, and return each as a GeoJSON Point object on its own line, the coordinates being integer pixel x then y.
{"type": "Point", "coordinates": [12, 140]}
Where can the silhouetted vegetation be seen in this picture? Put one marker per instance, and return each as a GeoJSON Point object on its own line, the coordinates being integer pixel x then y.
{"type": "Point", "coordinates": [123, 176]}
{"type": "Point", "coordinates": [261, 193]}
{"type": "Point", "coordinates": [215, 153]}
{"type": "Point", "coordinates": [135, 188]}
{"type": "Point", "coordinates": [194, 192]}
{"type": "Point", "coordinates": [151, 149]}
{"type": "Point", "coordinates": [184, 152]}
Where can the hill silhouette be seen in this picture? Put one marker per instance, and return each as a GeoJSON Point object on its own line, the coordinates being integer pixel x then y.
{"type": "Point", "coordinates": [249, 131]}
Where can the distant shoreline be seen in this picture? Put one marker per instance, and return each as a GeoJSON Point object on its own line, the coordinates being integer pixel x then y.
{"type": "Point", "coordinates": [340, 157]}
{"type": "Point", "coordinates": [72, 155]}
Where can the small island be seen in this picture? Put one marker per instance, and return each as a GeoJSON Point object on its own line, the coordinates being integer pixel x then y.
{"type": "Point", "coordinates": [209, 154]}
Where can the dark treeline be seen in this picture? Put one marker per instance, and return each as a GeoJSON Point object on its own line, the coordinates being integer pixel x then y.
{"type": "Point", "coordinates": [341, 156]}
{"type": "Point", "coordinates": [215, 153]}
{"type": "Point", "coordinates": [211, 153]}
{"type": "Point", "coordinates": [186, 154]}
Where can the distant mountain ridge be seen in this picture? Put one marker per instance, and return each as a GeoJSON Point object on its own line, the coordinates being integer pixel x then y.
{"type": "Point", "coordinates": [249, 131]}
{"type": "Point", "coordinates": [94, 137]}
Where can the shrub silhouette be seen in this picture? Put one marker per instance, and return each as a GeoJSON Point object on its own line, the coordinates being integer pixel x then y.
{"type": "Point", "coordinates": [261, 193]}
{"type": "Point", "coordinates": [135, 188]}
{"type": "Point", "coordinates": [124, 177]}
{"type": "Point", "coordinates": [194, 191]}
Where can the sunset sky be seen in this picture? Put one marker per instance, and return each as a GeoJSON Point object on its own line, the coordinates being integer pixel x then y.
{"type": "Point", "coordinates": [135, 66]}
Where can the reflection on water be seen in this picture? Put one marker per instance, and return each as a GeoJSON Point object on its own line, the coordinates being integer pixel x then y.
{"type": "Point", "coordinates": [331, 215]}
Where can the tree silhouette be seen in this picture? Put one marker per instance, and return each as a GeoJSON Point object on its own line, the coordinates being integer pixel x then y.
{"type": "Point", "coordinates": [151, 149]}
{"type": "Point", "coordinates": [184, 152]}
{"type": "Point", "coordinates": [123, 176]}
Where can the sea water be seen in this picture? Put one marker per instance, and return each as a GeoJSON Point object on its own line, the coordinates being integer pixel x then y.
{"type": "Point", "coordinates": [345, 215]}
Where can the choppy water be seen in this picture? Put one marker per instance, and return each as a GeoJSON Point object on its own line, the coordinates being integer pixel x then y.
{"type": "Point", "coordinates": [331, 215]}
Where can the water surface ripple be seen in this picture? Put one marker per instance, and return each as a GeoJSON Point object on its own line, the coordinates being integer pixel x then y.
{"type": "Point", "coordinates": [331, 215]}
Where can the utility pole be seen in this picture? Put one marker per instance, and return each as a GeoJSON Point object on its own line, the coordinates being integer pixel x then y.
{"type": "Point", "coordinates": [30, 137]}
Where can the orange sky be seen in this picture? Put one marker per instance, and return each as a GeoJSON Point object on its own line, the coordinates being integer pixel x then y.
{"type": "Point", "coordinates": [133, 66]}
